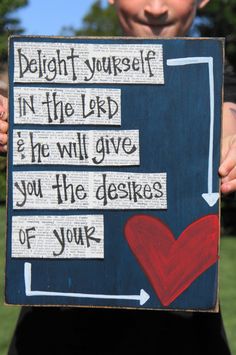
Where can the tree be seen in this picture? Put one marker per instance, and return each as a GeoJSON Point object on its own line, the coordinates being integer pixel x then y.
{"type": "Point", "coordinates": [222, 23]}
{"type": "Point", "coordinates": [9, 24]}
{"type": "Point", "coordinates": [100, 21]}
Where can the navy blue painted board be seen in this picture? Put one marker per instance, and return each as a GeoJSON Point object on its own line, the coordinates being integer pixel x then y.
{"type": "Point", "coordinates": [175, 137]}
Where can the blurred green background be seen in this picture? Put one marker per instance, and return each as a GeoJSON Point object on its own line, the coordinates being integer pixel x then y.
{"type": "Point", "coordinates": [8, 314]}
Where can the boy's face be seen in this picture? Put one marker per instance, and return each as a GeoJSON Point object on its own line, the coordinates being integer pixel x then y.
{"type": "Point", "coordinates": [164, 18]}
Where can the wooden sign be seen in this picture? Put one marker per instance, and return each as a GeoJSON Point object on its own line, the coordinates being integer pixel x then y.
{"type": "Point", "coordinates": [113, 190]}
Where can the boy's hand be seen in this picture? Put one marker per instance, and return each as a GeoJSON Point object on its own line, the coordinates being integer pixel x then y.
{"type": "Point", "coordinates": [3, 123]}
{"type": "Point", "coordinates": [227, 169]}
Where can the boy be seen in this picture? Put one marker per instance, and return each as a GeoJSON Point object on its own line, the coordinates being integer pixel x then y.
{"type": "Point", "coordinates": [103, 331]}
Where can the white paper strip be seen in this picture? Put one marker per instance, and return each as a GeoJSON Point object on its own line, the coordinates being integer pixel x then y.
{"type": "Point", "coordinates": [89, 190]}
{"type": "Point", "coordinates": [99, 148]}
{"type": "Point", "coordinates": [88, 63]}
{"type": "Point", "coordinates": [58, 236]}
{"type": "Point", "coordinates": [67, 106]}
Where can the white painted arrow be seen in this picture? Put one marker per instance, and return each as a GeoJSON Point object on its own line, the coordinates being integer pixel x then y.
{"type": "Point", "coordinates": [210, 197]}
{"type": "Point", "coordinates": [143, 297]}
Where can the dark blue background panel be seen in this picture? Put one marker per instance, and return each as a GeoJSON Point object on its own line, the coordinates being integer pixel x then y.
{"type": "Point", "coordinates": [153, 258]}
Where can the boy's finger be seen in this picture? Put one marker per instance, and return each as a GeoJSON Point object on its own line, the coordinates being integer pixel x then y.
{"type": "Point", "coordinates": [3, 148]}
{"type": "Point", "coordinates": [3, 108]}
{"type": "Point", "coordinates": [3, 115]}
{"type": "Point", "coordinates": [3, 138]}
{"type": "Point", "coordinates": [227, 143]}
{"type": "Point", "coordinates": [228, 163]}
{"type": "Point", "coordinates": [229, 177]}
{"type": "Point", "coordinates": [3, 127]}
{"type": "Point", "coordinates": [228, 187]}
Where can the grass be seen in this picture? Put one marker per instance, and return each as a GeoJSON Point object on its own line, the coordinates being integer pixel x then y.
{"type": "Point", "coordinates": [228, 288]}
{"type": "Point", "coordinates": [8, 314]}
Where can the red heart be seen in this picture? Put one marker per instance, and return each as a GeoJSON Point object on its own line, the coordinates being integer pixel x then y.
{"type": "Point", "coordinates": [170, 264]}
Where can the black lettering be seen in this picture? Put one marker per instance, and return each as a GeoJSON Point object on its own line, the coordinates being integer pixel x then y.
{"type": "Point", "coordinates": [135, 64]}
{"type": "Point", "coordinates": [91, 68]}
{"type": "Point", "coordinates": [100, 149]}
{"type": "Point", "coordinates": [23, 104]}
{"type": "Point", "coordinates": [61, 241]}
{"type": "Point", "coordinates": [89, 113]}
{"type": "Point", "coordinates": [30, 236]}
{"type": "Point", "coordinates": [78, 190]}
{"type": "Point", "coordinates": [136, 191]}
{"type": "Point", "coordinates": [69, 110]}
{"type": "Point", "coordinates": [127, 143]}
{"type": "Point", "coordinates": [112, 107]}
{"type": "Point", "coordinates": [147, 192]}
{"type": "Point", "coordinates": [116, 146]}
{"type": "Point", "coordinates": [59, 110]}
{"type": "Point", "coordinates": [142, 61]}
{"type": "Point", "coordinates": [101, 193]}
{"type": "Point", "coordinates": [23, 63]}
{"type": "Point", "coordinates": [122, 188]}
{"type": "Point", "coordinates": [89, 231]}
{"type": "Point", "coordinates": [47, 102]}
{"type": "Point", "coordinates": [150, 56]}
{"type": "Point", "coordinates": [58, 187]}
{"type": "Point", "coordinates": [158, 188]}
{"type": "Point", "coordinates": [61, 62]}
{"type": "Point", "coordinates": [108, 68]}
{"type": "Point", "coordinates": [72, 57]}
{"type": "Point", "coordinates": [25, 236]}
{"type": "Point", "coordinates": [111, 190]}
{"type": "Point", "coordinates": [74, 149]}
{"type": "Point", "coordinates": [116, 62]}
{"type": "Point", "coordinates": [38, 150]}
{"type": "Point", "coordinates": [126, 63]}
{"type": "Point", "coordinates": [52, 68]}
{"type": "Point", "coordinates": [68, 192]}
{"type": "Point", "coordinates": [31, 188]}
{"type": "Point", "coordinates": [100, 106]}
{"type": "Point", "coordinates": [79, 239]}
{"type": "Point", "coordinates": [40, 63]}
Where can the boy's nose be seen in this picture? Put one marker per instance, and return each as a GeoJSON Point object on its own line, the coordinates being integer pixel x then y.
{"type": "Point", "coordinates": [156, 8]}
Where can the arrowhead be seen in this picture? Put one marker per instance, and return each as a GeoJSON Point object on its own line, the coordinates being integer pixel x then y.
{"type": "Point", "coordinates": [211, 198]}
{"type": "Point", "coordinates": [144, 297]}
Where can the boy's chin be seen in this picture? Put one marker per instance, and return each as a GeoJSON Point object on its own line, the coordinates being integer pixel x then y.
{"type": "Point", "coordinates": [153, 31]}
